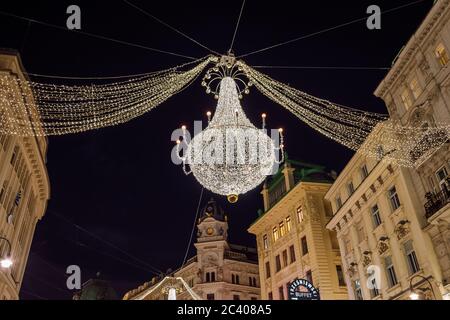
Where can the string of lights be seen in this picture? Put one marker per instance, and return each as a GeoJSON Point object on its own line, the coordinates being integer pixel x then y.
{"type": "Point", "coordinates": [372, 134]}
{"type": "Point", "coordinates": [36, 108]}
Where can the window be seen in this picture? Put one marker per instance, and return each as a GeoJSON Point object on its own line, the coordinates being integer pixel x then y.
{"type": "Point", "coordinates": [14, 155]}
{"type": "Point", "coordinates": [210, 296]}
{"type": "Point", "coordinates": [282, 229]}
{"type": "Point", "coordinates": [236, 297]}
{"type": "Point", "coordinates": [208, 277]}
{"type": "Point", "coordinates": [292, 253]}
{"type": "Point", "coordinates": [281, 293]}
{"type": "Point", "coordinates": [358, 291]}
{"type": "Point", "coordinates": [265, 242]}
{"type": "Point", "coordinates": [393, 198]}
{"type": "Point", "coordinates": [415, 88]}
{"type": "Point", "coordinates": [411, 258]}
{"type": "Point", "coordinates": [275, 234]}
{"type": "Point", "coordinates": [253, 298]}
{"type": "Point", "coordinates": [308, 276]}
{"type": "Point", "coordinates": [270, 296]}
{"type": "Point", "coordinates": [213, 277]}
{"type": "Point", "coordinates": [267, 270]}
{"type": "Point", "coordinates": [442, 175]}
{"type": "Point", "coordinates": [300, 214]}
{"type": "Point", "coordinates": [350, 188]}
{"type": "Point", "coordinates": [288, 224]}
{"type": "Point", "coordinates": [406, 99]}
{"type": "Point", "coordinates": [338, 203]}
{"type": "Point", "coordinates": [442, 55]}
{"type": "Point", "coordinates": [340, 276]}
{"type": "Point", "coordinates": [376, 219]}
{"type": "Point", "coordinates": [304, 246]}
{"type": "Point", "coordinates": [285, 258]}
{"type": "Point", "coordinates": [237, 279]}
{"type": "Point", "coordinates": [390, 272]}
{"type": "Point", "coordinates": [278, 263]}
{"type": "Point", "coordinates": [364, 172]}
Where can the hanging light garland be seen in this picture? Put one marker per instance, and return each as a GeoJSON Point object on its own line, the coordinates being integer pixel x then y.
{"type": "Point", "coordinates": [372, 134]}
{"type": "Point", "coordinates": [32, 108]}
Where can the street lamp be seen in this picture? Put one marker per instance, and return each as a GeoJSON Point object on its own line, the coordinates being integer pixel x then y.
{"type": "Point", "coordinates": [419, 293]}
{"type": "Point", "coordinates": [6, 261]}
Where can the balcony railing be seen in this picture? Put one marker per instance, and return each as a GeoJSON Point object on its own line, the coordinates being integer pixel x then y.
{"type": "Point", "coordinates": [436, 201]}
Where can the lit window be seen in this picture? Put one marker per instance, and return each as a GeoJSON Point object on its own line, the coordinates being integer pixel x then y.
{"type": "Point", "coordinates": [266, 242]}
{"type": "Point", "coordinates": [364, 172]}
{"type": "Point", "coordinates": [300, 214]}
{"type": "Point", "coordinates": [282, 229]}
{"type": "Point", "coordinates": [406, 99]}
{"type": "Point", "coordinates": [411, 258]}
{"type": "Point", "coordinates": [376, 219]}
{"type": "Point", "coordinates": [288, 224]}
{"type": "Point", "coordinates": [390, 272]}
{"type": "Point", "coordinates": [442, 55]}
{"type": "Point", "coordinates": [415, 88]}
{"type": "Point", "coordinates": [275, 234]}
{"type": "Point", "coordinates": [393, 198]}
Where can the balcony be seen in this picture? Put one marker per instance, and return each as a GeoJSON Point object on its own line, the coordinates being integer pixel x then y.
{"type": "Point", "coordinates": [436, 201]}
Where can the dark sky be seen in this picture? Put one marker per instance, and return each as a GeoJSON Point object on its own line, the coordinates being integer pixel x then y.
{"type": "Point", "coordinates": [119, 183]}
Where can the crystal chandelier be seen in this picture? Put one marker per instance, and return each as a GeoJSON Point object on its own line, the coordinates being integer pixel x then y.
{"type": "Point", "coordinates": [231, 156]}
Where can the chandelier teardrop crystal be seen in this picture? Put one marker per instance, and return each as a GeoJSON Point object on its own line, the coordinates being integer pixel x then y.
{"type": "Point", "coordinates": [231, 156]}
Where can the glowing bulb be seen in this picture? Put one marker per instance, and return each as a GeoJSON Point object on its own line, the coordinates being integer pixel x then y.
{"type": "Point", "coordinates": [6, 263]}
{"type": "Point", "coordinates": [178, 141]}
{"type": "Point", "coordinates": [280, 130]}
{"type": "Point", "coordinates": [208, 113]}
{"type": "Point", "coordinates": [414, 296]}
{"type": "Point", "coordinates": [183, 127]}
{"type": "Point", "coordinates": [264, 115]}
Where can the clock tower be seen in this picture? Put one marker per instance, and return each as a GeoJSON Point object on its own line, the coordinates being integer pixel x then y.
{"type": "Point", "coordinates": [212, 224]}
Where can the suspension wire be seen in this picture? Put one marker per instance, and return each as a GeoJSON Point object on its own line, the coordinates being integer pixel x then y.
{"type": "Point", "coordinates": [237, 26]}
{"type": "Point", "coordinates": [114, 77]}
{"type": "Point", "coordinates": [170, 27]}
{"type": "Point", "coordinates": [326, 30]}
{"type": "Point", "coordinates": [104, 241]}
{"type": "Point", "coordinates": [33, 294]}
{"type": "Point", "coordinates": [96, 36]}
{"type": "Point", "coordinates": [321, 67]}
{"type": "Point", "coordinates": [193, 228]}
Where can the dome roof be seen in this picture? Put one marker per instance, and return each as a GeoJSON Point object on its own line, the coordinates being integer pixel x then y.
{"type": "Point", "coordinates": [212, 210]}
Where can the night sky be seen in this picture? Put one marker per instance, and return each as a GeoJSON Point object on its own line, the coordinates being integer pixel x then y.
{"type": "Point", "coordinates": [118, 184]}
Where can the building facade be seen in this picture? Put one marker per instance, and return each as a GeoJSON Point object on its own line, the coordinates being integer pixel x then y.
{"type": "Point", "coordinates": [24, 188]}
{"type": "Point", "coordinates": [394, 218]}
{"type": "Point", "coordinates": [417, 91]}
{"type": "Point", "coordinates": [219, 270]}
{"type": "Point", "coordinates": [291, 237]}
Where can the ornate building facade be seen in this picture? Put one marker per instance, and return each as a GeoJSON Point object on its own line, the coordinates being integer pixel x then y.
{"type": "Point", "coordinates": [291, 237]}
{"type": "Point", "coordinates": [24, 189]}
{"type": "Point", "coordinates": [398, 218]}
{"type": "Point", "coordinates": [219, 271]}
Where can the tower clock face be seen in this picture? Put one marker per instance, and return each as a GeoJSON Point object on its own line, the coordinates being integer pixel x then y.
{"type": "Point", "coordinates": [209, 231]}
